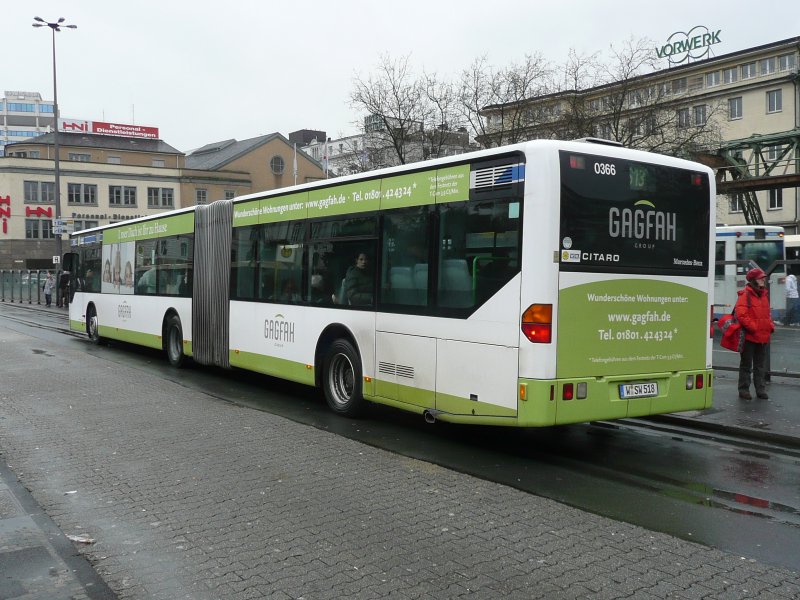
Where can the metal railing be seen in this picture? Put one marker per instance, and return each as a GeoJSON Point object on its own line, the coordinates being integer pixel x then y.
{"type": "Point", "coordinates": [24, 286]}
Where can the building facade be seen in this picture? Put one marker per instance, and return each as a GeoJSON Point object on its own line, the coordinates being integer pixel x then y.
{"type": "Point", "coordinates": [107, 178]}
{"type": "Point", "coordinates": [747, 103]}
{"type": "Point", "coordinates": [23, 115]}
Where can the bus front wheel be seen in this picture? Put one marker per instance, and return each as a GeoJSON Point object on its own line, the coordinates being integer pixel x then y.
{"type": "Point", "coordinates": [174, 342]}
{"type": "Point", "coordinates": [342, 379]}
{"type": "Point", "coordinates": [92, 325]}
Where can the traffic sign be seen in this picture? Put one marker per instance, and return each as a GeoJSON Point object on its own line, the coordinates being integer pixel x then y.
{"type": "Point", "coordinates": [56, 260]}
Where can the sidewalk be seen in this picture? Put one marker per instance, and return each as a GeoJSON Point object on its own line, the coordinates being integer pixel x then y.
{"type": "Point", "coordinates": [776, 420]}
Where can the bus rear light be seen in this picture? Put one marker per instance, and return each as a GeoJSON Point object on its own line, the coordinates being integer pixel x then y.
{"type": "Point", "coordinates": [577, 162]}
{"type": "Point", "coordinates": [538, 333]}
{"type": "Point", "coordinates": [698, 381]}
{"type": "Point", "coordinates": [582, 390]}
{"type": "Point", "coordinates": [567, 392]}
{"type": "Point", "coordinates": [537, 323]}
{"type": "Point", "coordinates": [523, 392]}
{"type": "Point", "coordinates": [690, 382]}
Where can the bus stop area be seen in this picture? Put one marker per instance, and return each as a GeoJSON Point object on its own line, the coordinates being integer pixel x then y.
{"type": "Point", "coordinates": [345, 519]}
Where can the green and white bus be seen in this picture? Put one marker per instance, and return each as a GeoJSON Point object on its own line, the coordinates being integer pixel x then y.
{"type": "Point", "coordinates": [530, 285]}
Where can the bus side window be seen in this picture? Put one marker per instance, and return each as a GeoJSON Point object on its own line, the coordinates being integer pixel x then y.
{"type": "Point", "coordinates": [719, 270]}
{"type": "Point", "coordinates": [404, 257]}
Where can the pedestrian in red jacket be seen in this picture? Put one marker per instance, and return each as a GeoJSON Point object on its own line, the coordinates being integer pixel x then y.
{"type": "Point", "coordinates": [753, 312]}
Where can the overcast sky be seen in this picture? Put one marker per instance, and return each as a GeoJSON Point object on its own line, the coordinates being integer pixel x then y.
{"type": "Point", "coordinates": [204, 71]}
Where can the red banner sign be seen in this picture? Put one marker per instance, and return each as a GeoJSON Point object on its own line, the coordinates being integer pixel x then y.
{"type": "Point", "coordinates": [103, 128]}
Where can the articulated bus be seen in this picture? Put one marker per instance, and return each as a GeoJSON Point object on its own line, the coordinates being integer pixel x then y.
{"type": "Point", "coordinates": [530, 285]}
{"type": "Point", "coordinates": [759, 245]}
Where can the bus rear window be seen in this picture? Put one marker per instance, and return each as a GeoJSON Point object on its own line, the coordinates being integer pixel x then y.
{"type": "Point", "coordinates": [629, 217]}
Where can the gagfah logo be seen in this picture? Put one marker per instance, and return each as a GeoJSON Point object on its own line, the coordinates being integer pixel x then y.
{"type": "Point", "coordinates": [642, 222]}
{"type": "Point", "coordinates": [124, 310]}
{"type": "Point", "coordinates": [279, 329]}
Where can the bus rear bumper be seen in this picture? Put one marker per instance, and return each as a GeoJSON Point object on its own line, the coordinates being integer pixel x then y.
{"type": "Point", "coordinates": [563, 401]}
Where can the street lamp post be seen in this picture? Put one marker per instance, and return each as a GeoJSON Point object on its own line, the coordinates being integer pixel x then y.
{"type": "Point", "coordinates": [56, 26]}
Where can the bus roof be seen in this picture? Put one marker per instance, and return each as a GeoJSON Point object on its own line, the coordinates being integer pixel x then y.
{"type": "Point", "coordinates": [584, 145]}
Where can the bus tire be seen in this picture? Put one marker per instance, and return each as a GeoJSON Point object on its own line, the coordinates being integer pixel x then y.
{"type": "Point", "coordinates": [341, 379]}
{"type": "Point", "coordinates": [92, 325]}
{"type": "Point", "coordinates": [173, 342]}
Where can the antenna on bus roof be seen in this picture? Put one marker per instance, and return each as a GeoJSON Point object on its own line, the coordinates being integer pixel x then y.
{"type": "Point", "coordinates": [594, 140]}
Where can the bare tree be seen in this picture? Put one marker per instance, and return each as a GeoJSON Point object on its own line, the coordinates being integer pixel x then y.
{"type": "Point", "coordinates": [395, 105]}
{"type": "Point", "coordinates": [443, 126]}
{"type": "Point", "coordinates": [494, 102]}
{"type": "Point", "coordinates": [615, 99]}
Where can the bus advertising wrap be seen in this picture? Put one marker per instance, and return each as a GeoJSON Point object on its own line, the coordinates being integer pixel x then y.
{"type": "Point", "coordinates": [450, 184]}
{"type": "Point", "coordinates": [621, 326]}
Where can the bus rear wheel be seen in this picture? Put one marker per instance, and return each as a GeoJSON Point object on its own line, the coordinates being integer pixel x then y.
{"type": "Point", "coordinates": [173, 342]}
{"type": "Point", "coordinates": [92, 325]}
{"type": "Point", "coordinates": [341, 380]}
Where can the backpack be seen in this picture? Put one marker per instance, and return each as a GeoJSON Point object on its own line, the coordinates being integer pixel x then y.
{"type": "Point", "coordinates": [732, 331]}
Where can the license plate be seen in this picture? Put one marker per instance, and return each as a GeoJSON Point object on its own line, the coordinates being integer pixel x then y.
{"type": "Point", "coordinates": [638, 390]}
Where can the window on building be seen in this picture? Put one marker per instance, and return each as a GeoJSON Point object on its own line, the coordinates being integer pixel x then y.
{"type": "Point", "coordinates": [735, 108]}
{"type": "Point", "coordinates": [32, 229]}
{"type": "Point", "coordinates": [700, 115]}
{"type": "Point", "coordinates": [773, 152]}
{"type": "Point", "coordinates": [80, 157]}
{"type": "Point", "coordinates": [786, 62]}
{"type": "Point", "coordinates": [277, 165]}
{"type": "Point", "coordinates": [774, 101]}
{"type": "Point", "coordinates": [679, 85]}
{"type": "Point", "coordinates": [121, 195]}
{"type": "Point", "coordinates": [159, 162]}
{"type": "Point", "coordinates": [736, 203]}
{"type": "Point", "coordinates": [748, 70]}
{"type": "Point", "coordinates": [713, 79]}
{"type": "Point", "coordinates": [230, 194]}
{"type": "Point", "coordinates": [21, 107]}
{"type": "Point", "coordinates": [38, 229]}
{"type": "Point", "coordinates": [684, 119]}
{"type": "Point", "coordinates": [767, 66]}
{"type": "Point", "coordinates": [160, 198]}
{"type": "Point", "coordinates": [776, 199]}
{"type": "Point", "coordinates": [200, 196]}
{"type": "Point", "coordinates": [605, 131]}
{"type": "Point", "coordinates": [730, 75]}
{"type": "Point", "coordinates": [81, 225]}
{"type": "Point", "coordinates": [81, 193]}
{"type": "Point", "coordinates": [39, 191]}
{"type": "Point", "coordinates": [594, 104]}
{"type": "Point", "coordinates": [114, 160]}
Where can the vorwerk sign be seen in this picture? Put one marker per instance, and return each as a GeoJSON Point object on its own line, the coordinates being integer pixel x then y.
{"type": "Point", "coordinates": [683, 46]}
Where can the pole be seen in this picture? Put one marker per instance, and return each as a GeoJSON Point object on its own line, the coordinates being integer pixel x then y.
{"type": "Point", "coordinates": [55, 148]}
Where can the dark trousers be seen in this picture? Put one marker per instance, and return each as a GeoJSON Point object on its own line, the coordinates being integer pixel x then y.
{"type": "Point", "coordinates": [48, 298]}
{"type": "Point", "coordinates": [753, 360]}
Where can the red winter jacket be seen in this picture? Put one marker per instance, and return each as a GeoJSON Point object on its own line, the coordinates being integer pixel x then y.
{"type": "Point", "coordinates": [752, 311]}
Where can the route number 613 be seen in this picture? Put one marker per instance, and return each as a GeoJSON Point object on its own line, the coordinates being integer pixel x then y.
{"type": "Point", "coordinates": [605, 169]}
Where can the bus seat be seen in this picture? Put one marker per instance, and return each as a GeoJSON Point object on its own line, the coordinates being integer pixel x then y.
{"type": "Point", "coordinates": [401, 281]}
{"type": "Point", "coordinates": [421, 276]}
{"type": "Point", "coordinates": [456, 283]}
{"type": "Point", "coordinates": [341, 297]}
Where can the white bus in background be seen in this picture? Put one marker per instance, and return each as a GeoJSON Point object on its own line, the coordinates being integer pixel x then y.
{"type": "Point", "coordinates": [531, 285]}
{"type": "Point", "coordinates": [761, 245]}
{"type": "Point", "coordinates": [792, 245]}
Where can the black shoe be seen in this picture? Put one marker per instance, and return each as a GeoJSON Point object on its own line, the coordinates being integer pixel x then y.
{"type": "Point", "coordinates": [762, 396]}
{"type": "Point", "coordinates": [745, 396]}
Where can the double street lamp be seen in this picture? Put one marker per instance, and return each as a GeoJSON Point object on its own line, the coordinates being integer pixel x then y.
{"type": "Point", "coordinates": [56, 26]}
